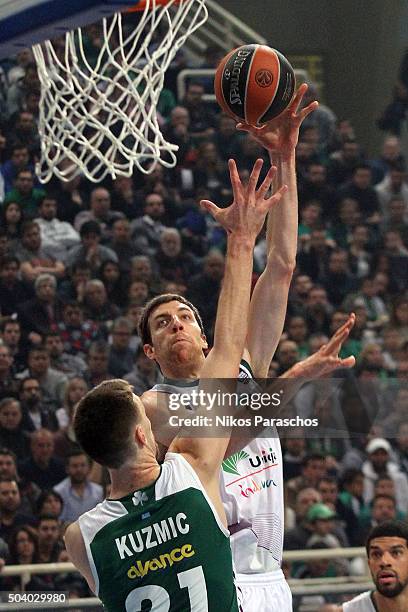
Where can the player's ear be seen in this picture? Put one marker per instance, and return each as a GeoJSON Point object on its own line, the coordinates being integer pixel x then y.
{"type": "Point", "coordinates": [204, 339]}
{"type": "Point", "coordinates": [149, 351]}
{"type": "Point", "coordinates": [140, 436]}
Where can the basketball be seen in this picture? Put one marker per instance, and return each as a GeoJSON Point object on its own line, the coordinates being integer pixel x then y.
{"type": "Point", "coordinates": [254, 84]}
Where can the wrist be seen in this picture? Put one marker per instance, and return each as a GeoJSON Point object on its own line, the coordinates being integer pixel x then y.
{"type": "Point", "coordinates": [238, 241]}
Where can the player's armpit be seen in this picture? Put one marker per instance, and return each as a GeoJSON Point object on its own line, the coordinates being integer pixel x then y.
{"type": "Point", "coordinates": [75, 546]}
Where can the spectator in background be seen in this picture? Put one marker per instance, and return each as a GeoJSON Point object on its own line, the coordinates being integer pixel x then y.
{"type": "Point", "coordinates": [177, 131]}
{"type": "Point", "coordinates": [323, 118]}
{"type": "Point", "coordinates": [73, 288]}
{"type": "Point", "coordinates": [11, 337]}
{"type": "Point", "coordinates": [12, 433]}
{"type": "Point", "coordinates": [294, 453]}
{"type": "Point", "coordinates": [78, 493]}
{"type": "Point", "coordinates": [397, 218]}
{"type": "Point", "coordinates": [35, 414]}
{"type": "Point", "coordinates": [34, 259]}
{"type": "Point", "coordinates": [76, 333]}
{"type": "Point", "coordinates": [318, 310]}
{"type": "Point", "coordinates": [390, 156]}
{"type": "Point", "coordinates": [146, 230]}
{"type": "Point", "coordinates": [173, 262]}
{"type": "Point", "coordinates": [114, 283]}
{"type": "Point", "coordinates": [378, 464]}
{"type": "Point", "coordinates": [297, 536]}
{"type": "Point", "coordinates": [122, 244]}
{"type": "Point", "coordinates": [315, 187]}
{"type": "Point", "coordinates": [8, 384]}
{"type": "Point", "coordinates": [52, 382]}
{"type": "Point", "coordinates": [90, 252]}
{"type": "Point", "coordinates": [11, 220]}
{"type": "Point", "coordinates": [49, 502]}
{"type": "Point", "coordinates": [10, 514]}
{"type": "Point", "coordinates": [204, 288]}
{"type": "Point", "coordinates": [49, 542]}
{"type": "Point", "coordinates": [202, 120]}
{"type": "Point", "coordinates": [144, 373]}
{"type": "Point", "coordinates": [24, 193]}
{"type": "Point", "coordinates": [347, 216]}
{"type": "Point", "coordinates": [359, 257]}
{"type": "Point", "coordinates": [74, 391]}
{"type": "Point", "coordinates": [297, 332]}
{"type": "Point", "coordinates": [19, 160]}
{"type": "Point", "coordinates": [394, 184]}
{"type": "Point", "coordinates": [343, 162]}
{"type": "Point", "coordinates": [123, 196]}
{"type": "Point", "coordinates": [287, 355]}
{"type": "Point", "coordinates": [96, 304]}
{"type": "Point", "coordinates": [43, 311]}
{"type": "Point", "coordinates": [42, 467]}
{"type": "Point", "coordinates": [338, 280]}
{"type": "Point", "coordinates": [23, 546]}
{"type": "Point", "coordinates": [70, 365]}
{"type": "Point", "coordinates": [56, 236]}
{"type": "Point", "coordinates": [98, 360]}
{"type": "Point", "coordinates": [315, 252]}
{"type": "Point", "coordinates": [360, 188]}
{"type": "Point", "coordinates": [99, 212]}
{"type": "Point", "coordinates": [121, 355]}
{"type": "Point", "coordinates": [312, 471]}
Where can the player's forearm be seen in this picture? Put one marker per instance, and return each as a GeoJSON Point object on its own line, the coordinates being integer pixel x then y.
{"type": "Point", "coordinates": [269, 300]}
{"type": "Point", "coordinates": [232, 311]}
{"type": "Point", "coordinates": [282, 222]}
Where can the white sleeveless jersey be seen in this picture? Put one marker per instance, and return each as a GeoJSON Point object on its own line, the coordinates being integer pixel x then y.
{"type": "Point", "coordinates": [252, 493]}
{"type": "Point", "coordinates": [361, 603]}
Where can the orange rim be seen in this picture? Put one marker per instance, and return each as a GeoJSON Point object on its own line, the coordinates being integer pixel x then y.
{"type": "Point", "coordinates": [140, 6]}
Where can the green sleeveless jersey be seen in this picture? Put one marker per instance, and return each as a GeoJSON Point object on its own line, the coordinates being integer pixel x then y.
{"type": "Point", "coordinates": [161, 548]}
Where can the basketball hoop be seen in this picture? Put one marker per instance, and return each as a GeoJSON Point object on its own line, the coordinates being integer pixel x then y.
{"type": "Point", "coordinates": [101, 114]}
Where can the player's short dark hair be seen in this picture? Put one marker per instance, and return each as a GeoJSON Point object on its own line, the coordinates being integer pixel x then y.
{"type": "Point", "coordinates": [388, 529]}
{"type": "Point", "coordinates": [165, 298]}
{"type": "Point", "coordinates": [104, 421]}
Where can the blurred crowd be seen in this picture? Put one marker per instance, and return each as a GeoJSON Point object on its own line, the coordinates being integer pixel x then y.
{"type": "Point", "coordinates": [78, 261]}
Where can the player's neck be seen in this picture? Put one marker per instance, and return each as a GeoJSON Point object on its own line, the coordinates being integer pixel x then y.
{"type": "Point", "coordinates": [392, 604]}
{"type": "Point", "coordinates": [130, 478]}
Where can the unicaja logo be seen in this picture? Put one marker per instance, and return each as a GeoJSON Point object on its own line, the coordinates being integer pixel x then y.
{"type": "Point", "coordinates": [230, 464]}
{"type": "Point", "coordinates": [265, 457]}
{"type": "Point", "coordinates": [139, 497]}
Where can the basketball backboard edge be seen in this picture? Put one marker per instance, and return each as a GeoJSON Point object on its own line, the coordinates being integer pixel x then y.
{"type": "Point", "coordinates": [24, 23]}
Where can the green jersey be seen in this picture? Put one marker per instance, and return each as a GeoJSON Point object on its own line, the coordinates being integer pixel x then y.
{"type": "Point", "coordinates": [162, 548]}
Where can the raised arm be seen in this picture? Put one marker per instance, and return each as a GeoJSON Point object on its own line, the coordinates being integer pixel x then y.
{"type": "Point", "coordinates": [269, 300]}
{"type": "Point", "coordinates": [243, 220]}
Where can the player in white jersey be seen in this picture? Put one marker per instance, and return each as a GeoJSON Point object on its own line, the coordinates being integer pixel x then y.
{"type": "Point", "coordinates": [387, 552]}
{"type": "Point", "coordinates": [252, 475]}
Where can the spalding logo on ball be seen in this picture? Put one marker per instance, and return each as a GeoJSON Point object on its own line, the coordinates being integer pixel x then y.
{"type": "Point", "coordinates": [254, 84]}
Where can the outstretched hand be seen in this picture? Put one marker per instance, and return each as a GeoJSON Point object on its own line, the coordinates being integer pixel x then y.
{"type": "Point", "coordinates": [246, 215]}
{"type": "Point", "coordinates": [281, 134]}
{"type": "Point", "coordinates": [327, 359]}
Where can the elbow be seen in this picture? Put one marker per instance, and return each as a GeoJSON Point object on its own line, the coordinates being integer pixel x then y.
{"type": "Point", "coordinates": [280, 266]}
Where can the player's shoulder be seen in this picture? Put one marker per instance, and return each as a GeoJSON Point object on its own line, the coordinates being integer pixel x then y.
{"type": "Point", "coordinates": [149, 400]}
{"type": "Point", "coordinates": [361, 603]}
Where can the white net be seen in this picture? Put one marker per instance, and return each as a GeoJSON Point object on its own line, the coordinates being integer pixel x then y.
{"type": "Point", "coordinates": [98, 112]}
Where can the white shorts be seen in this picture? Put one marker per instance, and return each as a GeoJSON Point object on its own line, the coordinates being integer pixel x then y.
{"type": "Point", "coordinates": [264, 592]}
